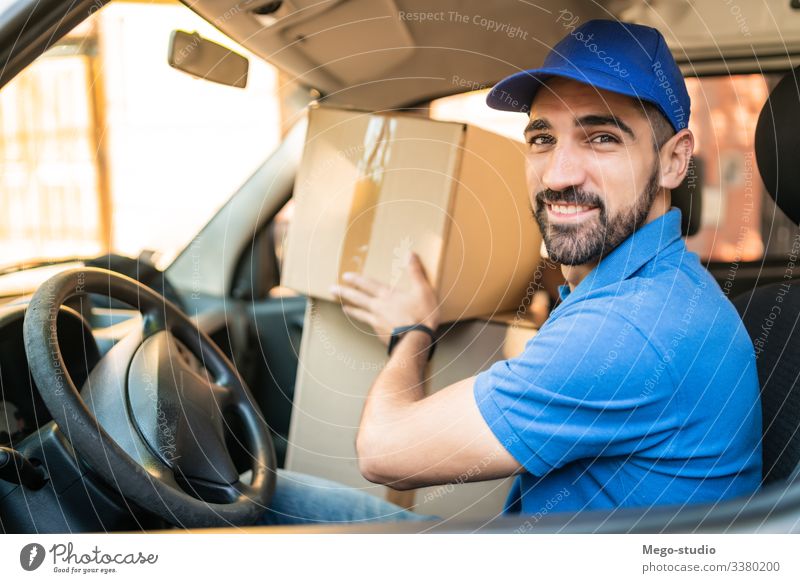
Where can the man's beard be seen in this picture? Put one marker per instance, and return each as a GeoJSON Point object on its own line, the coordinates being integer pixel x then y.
{"type": "Point", "coordinates": [582, 242]}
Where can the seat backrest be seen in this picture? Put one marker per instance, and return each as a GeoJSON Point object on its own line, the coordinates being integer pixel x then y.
{"type": "Point", "coordinates": [688, 197]}
{"type": "Point", "coordinates": [771, 313]}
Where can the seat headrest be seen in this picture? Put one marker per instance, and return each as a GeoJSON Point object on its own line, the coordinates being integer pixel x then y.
{"type": "Point", "coordinates": [688, 197]}
{"type": "Point", "coordinates": [777, 144]}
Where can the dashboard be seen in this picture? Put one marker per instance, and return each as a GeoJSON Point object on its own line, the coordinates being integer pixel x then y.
{"type": "Point", "coordinates": [22, 410]}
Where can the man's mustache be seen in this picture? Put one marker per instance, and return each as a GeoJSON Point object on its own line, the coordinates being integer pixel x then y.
{"type": "Point", "coordinates": [569, 195]}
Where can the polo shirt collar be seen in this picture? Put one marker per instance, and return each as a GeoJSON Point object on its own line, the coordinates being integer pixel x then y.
{"type": "Point", "coordinates": [633, 253]}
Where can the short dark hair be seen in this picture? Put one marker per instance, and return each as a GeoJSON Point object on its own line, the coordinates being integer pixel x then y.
{"type": "Point", "coordinates": [662, 129]}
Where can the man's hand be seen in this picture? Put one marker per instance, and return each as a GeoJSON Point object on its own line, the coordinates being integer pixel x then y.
{"type": "Point", "coordinates": [385, 308]}
{"type": "Point", "coordinates": [405, 439]}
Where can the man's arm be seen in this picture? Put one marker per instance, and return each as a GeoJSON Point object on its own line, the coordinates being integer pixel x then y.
{"type": "Point", "coordinates": [407, 440]}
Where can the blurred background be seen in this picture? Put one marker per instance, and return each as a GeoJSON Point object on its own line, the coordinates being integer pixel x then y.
{"type": "Point", "coordinates": [105, 148]}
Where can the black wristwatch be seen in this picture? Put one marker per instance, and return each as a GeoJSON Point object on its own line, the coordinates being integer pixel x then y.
{"type": "Point", "coordinates": [401, 331]}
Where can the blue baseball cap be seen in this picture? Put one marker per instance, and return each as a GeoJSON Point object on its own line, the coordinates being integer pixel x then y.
{"type": "Point", "coordinates": [630, 59]}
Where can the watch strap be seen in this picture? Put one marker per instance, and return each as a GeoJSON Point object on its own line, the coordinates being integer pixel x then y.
{"type": "Point", "coordinates": [401, 331]}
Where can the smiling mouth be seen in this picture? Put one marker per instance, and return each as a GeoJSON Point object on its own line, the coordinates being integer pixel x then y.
{"type": "Point", "coordinates": [569, 211]}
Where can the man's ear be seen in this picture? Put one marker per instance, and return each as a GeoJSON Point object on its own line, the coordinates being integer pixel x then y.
{"type": "Point", "coordinates": [675, 155]}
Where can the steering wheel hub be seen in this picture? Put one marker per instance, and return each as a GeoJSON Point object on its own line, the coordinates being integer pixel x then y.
{"type": "Point", "coordinates": [178, 412]}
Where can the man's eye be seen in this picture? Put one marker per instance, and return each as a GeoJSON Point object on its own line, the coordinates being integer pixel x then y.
{"type": "Point", "coordinates": [541, 140]}
{"type": "Point", "coordinates": [604, 139]}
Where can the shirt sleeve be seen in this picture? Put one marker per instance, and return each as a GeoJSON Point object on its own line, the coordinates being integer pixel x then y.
{"type": "Point", "coordinates": [589, 384]}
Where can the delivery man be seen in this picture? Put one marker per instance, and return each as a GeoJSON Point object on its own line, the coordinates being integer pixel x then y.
{"type": "Point", "coordinates": [641, 387]}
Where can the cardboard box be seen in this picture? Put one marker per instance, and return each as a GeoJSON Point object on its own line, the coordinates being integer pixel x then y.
{"type": "Point", "coordinates": [373, 187]}
{"type": "Point", "coordinates": [338, 361]}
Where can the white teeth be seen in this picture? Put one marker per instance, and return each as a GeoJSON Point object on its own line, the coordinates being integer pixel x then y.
{"type": "Point", "coordinates": [569, 209]}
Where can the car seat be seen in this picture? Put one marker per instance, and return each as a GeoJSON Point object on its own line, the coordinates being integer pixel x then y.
{"type": "Point", "coordinates": [771, 313]}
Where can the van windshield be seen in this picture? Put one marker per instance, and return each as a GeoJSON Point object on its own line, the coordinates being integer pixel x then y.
{"type": "Point", "coordinates": [106, 148]}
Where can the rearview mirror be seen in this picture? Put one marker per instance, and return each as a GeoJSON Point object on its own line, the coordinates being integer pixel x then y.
{"type": "Point", "coordinates": [200, 57]}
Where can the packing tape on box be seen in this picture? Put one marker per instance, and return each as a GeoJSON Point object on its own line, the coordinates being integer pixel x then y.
{"type": "Point", "coordinates": [378, 141]}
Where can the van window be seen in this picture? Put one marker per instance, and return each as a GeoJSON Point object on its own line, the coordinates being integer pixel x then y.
{"type": "Point", "coordinates": [106, 148]}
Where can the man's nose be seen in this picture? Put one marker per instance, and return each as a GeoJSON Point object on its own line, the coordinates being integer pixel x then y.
{"type": "Point", "coordinates": [563, 169]}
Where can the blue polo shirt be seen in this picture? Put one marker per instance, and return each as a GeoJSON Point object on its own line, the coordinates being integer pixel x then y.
{"type": "Point", "coordinates": [640, 389]}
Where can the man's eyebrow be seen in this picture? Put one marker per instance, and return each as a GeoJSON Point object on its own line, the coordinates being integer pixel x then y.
{"type": "Point", "coordinates": [538, 124]}
{"type": "Point", "coordinates": [604, 120]}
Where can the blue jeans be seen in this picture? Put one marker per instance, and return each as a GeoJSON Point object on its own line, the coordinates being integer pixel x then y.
{"type": "Point", "coordinates": [304, 499]}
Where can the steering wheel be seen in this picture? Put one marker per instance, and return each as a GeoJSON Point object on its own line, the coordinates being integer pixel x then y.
{"type": "Point", "coordinates": [155, 417]}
